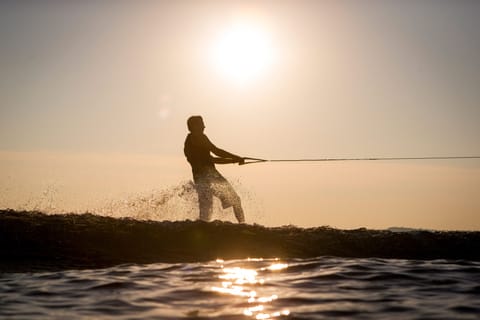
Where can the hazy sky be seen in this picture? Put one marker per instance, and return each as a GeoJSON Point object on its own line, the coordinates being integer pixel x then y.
{"type": "Point", "coordinates": [94, 96]}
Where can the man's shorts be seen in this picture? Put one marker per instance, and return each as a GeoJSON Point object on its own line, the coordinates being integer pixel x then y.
{"type": "Point", "coordinates": [214, 184]}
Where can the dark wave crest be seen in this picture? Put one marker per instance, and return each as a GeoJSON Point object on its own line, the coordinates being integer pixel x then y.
{"type": "Point", "coordinates": [36, 241]}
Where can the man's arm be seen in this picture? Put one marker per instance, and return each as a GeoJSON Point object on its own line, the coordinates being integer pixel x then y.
{"type": "Point", "coordinates": [227, 160]}
{"type": "Point", "coordinates": [224, 156]}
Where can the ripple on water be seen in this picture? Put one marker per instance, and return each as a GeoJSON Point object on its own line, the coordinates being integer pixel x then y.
{"type": "Point", "coordinates": [115, 285]}
{"type": "Point", "coordinates": [321, 288]}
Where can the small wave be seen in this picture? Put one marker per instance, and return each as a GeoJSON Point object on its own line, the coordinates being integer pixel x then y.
{"type": "Point", "coordinates": [35, 240]}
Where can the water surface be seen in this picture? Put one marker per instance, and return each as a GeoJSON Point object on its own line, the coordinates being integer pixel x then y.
{"type": "Point", "coordinates": [317, 288]}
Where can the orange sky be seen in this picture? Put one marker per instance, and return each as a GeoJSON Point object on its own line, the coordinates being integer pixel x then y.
{"type": "Point", "coordinates": [94, 98]}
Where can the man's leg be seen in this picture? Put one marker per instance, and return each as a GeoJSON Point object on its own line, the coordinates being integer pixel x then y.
{"type": "Point", "coordinates": [238, 210]}
{"type": "Point", "coordinates": [205, 201]}
{"type": "Point", "coordinates": [229, 198]}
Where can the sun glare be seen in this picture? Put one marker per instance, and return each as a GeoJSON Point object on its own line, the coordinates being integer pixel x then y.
{"type": "Point", "coordinates": [243, 52]}
{"type": "Point", "coordinates": [248, 283]}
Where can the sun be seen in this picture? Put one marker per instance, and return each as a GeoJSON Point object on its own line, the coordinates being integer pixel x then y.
{"type": "Point", "coordinates": [243, 52]}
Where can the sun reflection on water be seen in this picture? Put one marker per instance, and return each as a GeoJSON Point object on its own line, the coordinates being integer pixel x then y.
{"type": "Point", "coordinates": [238, 281]}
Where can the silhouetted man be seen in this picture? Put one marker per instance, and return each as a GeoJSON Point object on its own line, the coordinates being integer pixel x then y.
{"type": "Point", "coordinates": [208, 181]}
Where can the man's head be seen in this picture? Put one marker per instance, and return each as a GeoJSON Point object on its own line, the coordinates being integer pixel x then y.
{"type": "Point", "coordinates": [195, 124]}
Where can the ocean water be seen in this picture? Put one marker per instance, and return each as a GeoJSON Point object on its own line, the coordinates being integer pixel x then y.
{"type": "Point", "coordinates": [315, 288]}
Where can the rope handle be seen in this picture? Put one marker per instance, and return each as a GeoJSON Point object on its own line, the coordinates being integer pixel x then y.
{"type": "Point", "coordinates": [248, 160]}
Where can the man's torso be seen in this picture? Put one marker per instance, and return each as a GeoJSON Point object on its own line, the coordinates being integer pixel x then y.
{"type": "Point", "coordinates": [197, 150]}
